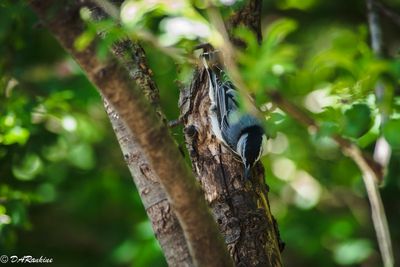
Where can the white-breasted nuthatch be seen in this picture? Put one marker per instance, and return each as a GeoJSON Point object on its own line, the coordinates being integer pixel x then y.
{"type": "Point", "coordinates": [242, 133]}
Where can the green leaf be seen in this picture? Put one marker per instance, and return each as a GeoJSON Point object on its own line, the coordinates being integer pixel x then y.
{"type": "Point", "coordinates": [327, 129]}
{"type": "Point", "coordinates": [248, 37]}
{"type": "Point", "coordinates": [15, 135]}
{"type": "Point", "coordinates": [30, 167]}
{"type": "Point", "coordinates": [82, 156]}
{"type": "Point", "coordinates": [46, 193]}
{"type": "Point", "coordinates": [391, 132]}
{"type": "Point", "coordinates": [353, 252]}
{"type": "Point", "coordinates": [18, 214]}
{"type": "Point", "coordinates": [277, 32]}
{"type": "Point", "coordinates": [357, 120]}
{"type": "Point", "coordinates": [297, 4]}
{"type": "Point", "coordinates": [84, 40]}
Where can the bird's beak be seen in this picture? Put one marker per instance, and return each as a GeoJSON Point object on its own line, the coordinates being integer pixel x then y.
{"type": "Point", "coordinates": [247, 171]}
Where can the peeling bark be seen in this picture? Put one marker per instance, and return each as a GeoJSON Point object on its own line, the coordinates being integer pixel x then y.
{"type": "Point", "coordinates": [240, 207]}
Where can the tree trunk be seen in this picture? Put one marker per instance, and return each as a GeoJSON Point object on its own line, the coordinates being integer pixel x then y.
{"type": "Point", "coordinates": [240, 207]}
{"type": "Point", "coordinates": [165, 225]}
{"type": "Point", "coordinates": [203, 238]}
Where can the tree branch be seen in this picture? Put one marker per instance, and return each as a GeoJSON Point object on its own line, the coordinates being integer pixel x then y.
{"type": "Point", "coordinates": [374, 27]}
{"type": "Point", "coordinates": [240, 207]}
{"type": "Point", "coordinates": [164, 222]}
{"type": "Point", "coordinates": [299, 115]}
{"type": "Point", "coordinates": [382, 152]}
{"type": "Point", "coordinates": [202, 235]}
{"type": "Point", "coordinates": [370, 170]}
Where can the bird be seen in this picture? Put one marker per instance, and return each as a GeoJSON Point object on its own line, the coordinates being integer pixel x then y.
{"type": "Point", "coordinates": [241, 132]}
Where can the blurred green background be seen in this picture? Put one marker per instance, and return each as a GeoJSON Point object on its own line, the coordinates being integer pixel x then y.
{"type": "Point", "coordinates": [66, 193]}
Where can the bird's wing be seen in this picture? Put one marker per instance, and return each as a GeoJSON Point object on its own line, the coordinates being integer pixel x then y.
{"type": "Point", "coordinates": [226, 96]}
{"type": "Point", "coordinates": [230, 113]}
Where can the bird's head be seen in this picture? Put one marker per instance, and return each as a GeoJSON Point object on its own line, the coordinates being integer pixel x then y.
{"type": "Point", "coordinates": [250, 148]}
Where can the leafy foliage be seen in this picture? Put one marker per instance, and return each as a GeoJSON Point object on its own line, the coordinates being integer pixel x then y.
{"type": "Point", "coordinates": [65, 192]}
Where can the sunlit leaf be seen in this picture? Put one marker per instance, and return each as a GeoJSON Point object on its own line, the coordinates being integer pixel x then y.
{"type": "Point", "coordinates": [353, 252]}
{"type": "Point", "coordinates": [16, 134]}
{"type": "Point", "coordinates": [84, 40]}
{"type": "Point", "coordinates": [298, 4]}
{"type": "Point", "coordinates": [277, 32]}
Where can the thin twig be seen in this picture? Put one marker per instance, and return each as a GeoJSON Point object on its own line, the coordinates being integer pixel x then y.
{"type": "Point", "coordinates": [374, 27]}
{"type": "Point", "coordinates": [382, 150]}
{"type": "Point", "coordinates": [370, 170]}
{"type": "Point", "coordinates": [378, 214]}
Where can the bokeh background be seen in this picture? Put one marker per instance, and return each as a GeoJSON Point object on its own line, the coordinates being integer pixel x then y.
{"type": "Point", "coordinates": [66, 194]}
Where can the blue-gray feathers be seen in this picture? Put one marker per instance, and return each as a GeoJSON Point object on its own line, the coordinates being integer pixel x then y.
{"type": "Point", "coordinates": [242, 133]}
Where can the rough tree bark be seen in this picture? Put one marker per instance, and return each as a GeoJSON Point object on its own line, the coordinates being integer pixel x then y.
{"type": "Point", "coordinates": [201, 233]}
{"type": "Point", "coordinates": [241, 208]}
{"type": "Point", "coordinates": [164, 222]}
{"type": "Point", "coordinates": [165, 225]}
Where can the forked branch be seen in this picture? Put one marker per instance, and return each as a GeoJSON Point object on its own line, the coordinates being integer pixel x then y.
{"type": "Point", "coordinates": [206, 245]}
